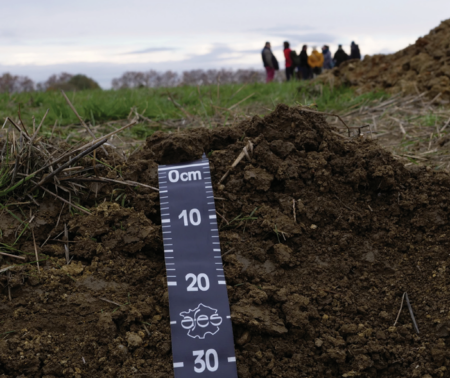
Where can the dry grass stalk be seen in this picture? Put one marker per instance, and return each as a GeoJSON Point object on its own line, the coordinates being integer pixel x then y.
{"type": "Point", "coordinates": [36, 252]}
{"type": "Point", "coordinates": [293, 208]}
{"type": "Point", "coordinates": [66, 245]}
{"type": "Point", "coordinates": [81, 120]}
{"type": "Point", "coordinates": [245, 150]}
{"type": "Point", "coordinates": [427, 131]}
{"type": "Point", "coordinates": [13, 256]}
{"type": "Point", "coordinates": [9, 286]}
{"type": "Point", "coordinates": [107, 300]}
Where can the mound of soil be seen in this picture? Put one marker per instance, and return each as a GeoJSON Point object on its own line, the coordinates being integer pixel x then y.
{"type": "Point", "coordinates": [315, 282]}
{"type": "Point", "coordinates": [422, 67]}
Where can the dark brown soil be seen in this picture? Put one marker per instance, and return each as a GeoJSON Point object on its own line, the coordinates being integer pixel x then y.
{"type": "Point", "coordinates": [314, 296]}
{"type": "Point", "coordinates": [421, 67]}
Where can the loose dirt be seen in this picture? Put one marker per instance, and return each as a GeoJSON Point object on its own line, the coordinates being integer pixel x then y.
{"type": "Point", "coordinates": [422, 67]}
{"type": "Point", "coordinates": [315, 282]}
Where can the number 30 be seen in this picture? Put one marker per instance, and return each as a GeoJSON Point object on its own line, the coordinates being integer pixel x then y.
{"type": "Point", "coordinates": [199, 360]}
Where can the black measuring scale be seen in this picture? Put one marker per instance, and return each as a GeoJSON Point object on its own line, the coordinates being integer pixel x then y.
{"type": "Point", "coordinates": [202, 334]}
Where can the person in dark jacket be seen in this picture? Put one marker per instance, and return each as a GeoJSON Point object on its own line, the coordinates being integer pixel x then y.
{"type": "Point", "coordinates": [270, 62]}
{"type": "Point", "coordinates": [289, 64]}
{"type": "Point", "coordinates": [304, 68]}
{"type": "Point", "coordinates": [340, 56]}
{"type": "Point", "coordinates": [354, 51]}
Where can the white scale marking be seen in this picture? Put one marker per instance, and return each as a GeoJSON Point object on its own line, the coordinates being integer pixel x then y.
{"type": "Point", "coordinates": [168, 250]}
{"type": "Point", "coordinates": [163, 191]}
{"type": "Point", "coordinates": [220, 275]}
{"type": "Point", "coordinates": [212, 217]}
{"type": "Point", "coordinates": [170, 269]}
{"type": "Point", "coordinates": [209, 191]}
{"type": "Point", "coordinates": [216, 250]}
{"type": "Point", "coordinates": [168, 257]}
{"type": "Point", "coordinates": [164, 197]}
{"type": "Point", "coordinates": [165, 220]}
{"type": "Point", "coordinates": [217, 257]}
{"type": "Point", "coordinates": [171, 276]}
{"type": "Point", "coordinates": [167, 232]}
{"type": "Point", "coordinates": [173, 264]}
{"type": "Point", "coordinates": [228, 317]}
{"type": "Point", "coordinates": [174, 322]}
{"type": "Point", "coordinates": [219, 269]}
{"type": "Point", "coordinates": [183, 166]}
{"type": "Point", "coordinates": [222, 283]}
{"type": "Point", "coordinates": [171, 283]}
{"type": "Point", "coordinates": [178, 364]}
{"type": "Point", "coordinates": [163, 182]}
{"type": "Point", "coordinates": [218, 263]}
{"type": "Point", "coordinates": [210, 203]}
{"type": "Point", "coordinates": [164, 203]}
{"type": "Point", "coordinates": [210, 197]}
{"type": "Point", "coordinates": [212, 210]}
{"type": "Point", "coordinates": [165, 208]}
{"type": "Point", "coordinates": [214, 229]}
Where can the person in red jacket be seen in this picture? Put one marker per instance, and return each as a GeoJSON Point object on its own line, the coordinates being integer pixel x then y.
{"type": "Point", "coordinates": [289, 63]}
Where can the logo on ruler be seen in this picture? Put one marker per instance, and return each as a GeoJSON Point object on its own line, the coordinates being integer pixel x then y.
{"type": "Point", "coordinates": [200, 321]}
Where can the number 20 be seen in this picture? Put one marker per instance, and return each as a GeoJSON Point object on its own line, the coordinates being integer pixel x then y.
{"type": "Point", "coordinates": [199, 360]}
{"type": "Point", "coordinates": [203, 286]}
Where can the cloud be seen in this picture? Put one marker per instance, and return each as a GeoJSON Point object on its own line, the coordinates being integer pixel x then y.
{"type": "Point", "coordinates": [150, 50]}
{"type": "Point", "coordinates": [309, 38]}
{"type": "Point", "coordinates": [281, 29]}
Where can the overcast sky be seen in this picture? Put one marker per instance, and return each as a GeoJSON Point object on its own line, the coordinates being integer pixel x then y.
{"type": "Point", "coordinates": [104, 38]}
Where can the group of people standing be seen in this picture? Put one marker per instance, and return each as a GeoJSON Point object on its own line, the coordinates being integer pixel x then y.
{"type": "Point", "coordinates": [304, 66]}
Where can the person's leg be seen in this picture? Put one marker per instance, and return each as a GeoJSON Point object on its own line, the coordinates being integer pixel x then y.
{"type": "Point", "coordinates": [267, 74]}
{"type": "Point", "coordinates": [291, 72]}
{"type": "Point", "coordinates": [288, 73]}
{"type": "Point", "coordinates": [306, 73]}
{"type": "Point", "coordinates": [270, 74]}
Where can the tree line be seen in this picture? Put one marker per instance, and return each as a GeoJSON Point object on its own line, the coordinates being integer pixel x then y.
{"type": "Point", "coordinates": [132, 79]}
{"type": "Point", "coordinates": [155, 79]}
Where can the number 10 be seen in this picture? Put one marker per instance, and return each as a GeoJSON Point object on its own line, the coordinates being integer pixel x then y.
{"type": "Point", "coordinates": [194, 217]}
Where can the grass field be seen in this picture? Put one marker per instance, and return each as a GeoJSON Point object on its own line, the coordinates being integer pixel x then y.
{"type": "Point", "coordinates": [163, 104]}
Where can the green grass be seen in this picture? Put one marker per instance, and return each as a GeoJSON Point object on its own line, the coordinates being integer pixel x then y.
{"type": "Point", "coordinates": [97, 106]}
